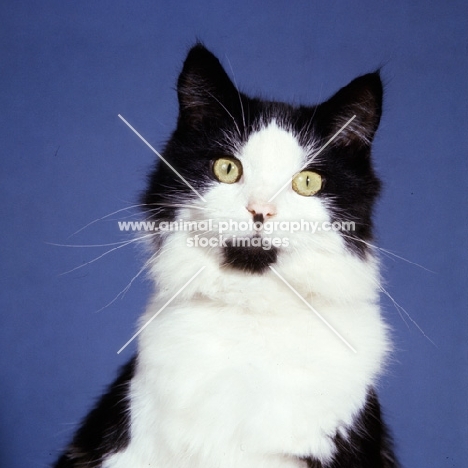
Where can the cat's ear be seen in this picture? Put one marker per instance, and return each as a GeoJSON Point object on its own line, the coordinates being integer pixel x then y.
{"type": "Point", "coordinates": [361, 98]}
{"type": "Point", "coordinates": [204, 89]}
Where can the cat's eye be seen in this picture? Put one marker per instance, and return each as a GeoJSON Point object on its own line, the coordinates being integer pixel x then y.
{"type": "Point", "coordinates": [227, 169]}
{"type": "Point", "coordinates": [307, 183]}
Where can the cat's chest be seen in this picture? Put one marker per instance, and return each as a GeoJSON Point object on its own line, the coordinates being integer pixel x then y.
{"type": "Point", "coordinates": [257, 383]}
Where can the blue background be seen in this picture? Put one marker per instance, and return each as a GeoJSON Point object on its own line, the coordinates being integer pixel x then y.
{"type": "Point", "coordinates": [68, 69]}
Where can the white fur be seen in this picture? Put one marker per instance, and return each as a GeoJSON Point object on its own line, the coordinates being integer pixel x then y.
{"type": "Point", "coordinates": [238, 372]}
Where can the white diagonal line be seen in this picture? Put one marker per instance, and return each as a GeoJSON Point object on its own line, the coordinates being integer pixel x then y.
{"type": "Point", "coordinates": [314, 156]}
{"type": "Point", "coordinates": [313, 310]}
{"type": "Point", "coordinates": [160, 310]}
{"type": "Point", "coordinates": [160, 157]}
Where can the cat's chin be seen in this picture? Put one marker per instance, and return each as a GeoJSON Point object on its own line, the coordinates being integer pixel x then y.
{"type": "Point", "coordinates": [249, 259]}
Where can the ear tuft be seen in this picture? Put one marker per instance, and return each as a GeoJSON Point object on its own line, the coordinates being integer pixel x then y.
{"type": "Point", "coordinates": [361, 98]}
{"type": "Point", "coordinates": [204, 89]}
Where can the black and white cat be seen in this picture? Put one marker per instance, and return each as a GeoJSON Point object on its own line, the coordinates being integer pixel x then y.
{"type": "Point", "coordinates": [268, 358]}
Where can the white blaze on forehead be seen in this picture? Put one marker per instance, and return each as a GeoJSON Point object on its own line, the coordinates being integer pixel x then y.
{"type": "Point", "coordinates": [271, 156]}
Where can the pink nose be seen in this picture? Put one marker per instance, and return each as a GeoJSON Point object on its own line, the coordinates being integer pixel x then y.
{"type": "Point", "coordinates": [267, 210]}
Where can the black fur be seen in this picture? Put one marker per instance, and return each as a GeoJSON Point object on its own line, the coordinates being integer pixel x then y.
{"type": "Point", "coordinates": [210, 107]}
{"type": "Point", "coordinates": [211, 111]}
{"type": "Point", "coordinates": [249, 259]}
{"type": "Point", "coordinates": [368, 444]}
{"type": "Point", "coordinates": [106, 429]}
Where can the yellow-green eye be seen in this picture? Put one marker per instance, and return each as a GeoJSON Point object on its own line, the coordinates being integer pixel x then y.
{"type": "Point", "coordinates": [227, 169]}
{"type": "Point", "coordinates": [307, 183]}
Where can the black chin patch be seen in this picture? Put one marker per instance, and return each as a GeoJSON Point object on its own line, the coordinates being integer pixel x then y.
{"type": "Point", "coordinates": [248, 258]}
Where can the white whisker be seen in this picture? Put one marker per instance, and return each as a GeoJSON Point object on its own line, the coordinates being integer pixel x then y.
{"type": "Point", "coordinates": [122, 293]}
{"type": "Point", "coordinates": [388, 252]}
{"type": "Point", "coordinates": [106, 253]}
{"type": "Point", "coordinates": [104, 217]}
{"type": "Point", "coordinates": [402, 309]}
{"type": "Point", "coordinates": [227, 111]}
{"type": "Point", "coordinates": [84, 246]}
{"type": "Point", "coordinates": [238, 92]}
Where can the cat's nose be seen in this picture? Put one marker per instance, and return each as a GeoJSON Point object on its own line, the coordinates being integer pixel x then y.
{"type": "Point", "coordinates": [262, 210]}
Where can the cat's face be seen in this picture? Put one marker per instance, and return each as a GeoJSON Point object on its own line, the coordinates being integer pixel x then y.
{"type": "Point", "coordinates": [276, 181]}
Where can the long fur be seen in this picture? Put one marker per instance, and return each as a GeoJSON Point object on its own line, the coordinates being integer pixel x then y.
{"type": "Point", "coordinates": [245, 367]}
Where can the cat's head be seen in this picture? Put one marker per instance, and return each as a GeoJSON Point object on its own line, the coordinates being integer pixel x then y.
{"type": "Point", "coordinates": [237, 161]}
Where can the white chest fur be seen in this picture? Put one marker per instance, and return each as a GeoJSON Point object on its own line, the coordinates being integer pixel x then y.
{"type": "Point", "coordinates": [232, 386]}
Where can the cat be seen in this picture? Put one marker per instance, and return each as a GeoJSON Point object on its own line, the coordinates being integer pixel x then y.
{"type": "Point", "coordinates": [269, 352]}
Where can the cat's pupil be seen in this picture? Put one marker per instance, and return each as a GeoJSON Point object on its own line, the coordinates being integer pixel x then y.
{"type": "Point", "coordinates": [228, 170]}
{"type": "Point", "coordinates": [307, 180]}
